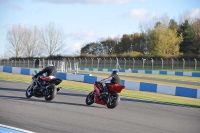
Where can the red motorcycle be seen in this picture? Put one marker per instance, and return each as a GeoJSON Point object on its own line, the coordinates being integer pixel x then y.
{"type": "Point", "coordinates": [111, 98]}
{"type": "Point", "coordinates": [43, 87]}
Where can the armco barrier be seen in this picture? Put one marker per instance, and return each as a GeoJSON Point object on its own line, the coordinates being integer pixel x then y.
{"type": "Point", "coordinates": [131, 85]}
{"type": "Point", "coordinates": [194, 74]}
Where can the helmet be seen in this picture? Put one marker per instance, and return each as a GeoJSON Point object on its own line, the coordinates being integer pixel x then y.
{"type": "Point", "coordinates": [114, 72]}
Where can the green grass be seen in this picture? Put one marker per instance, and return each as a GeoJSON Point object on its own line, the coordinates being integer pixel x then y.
{"type": "Point", "coordinates": [192, 102]}
{"type": "Point", "coordinates": [123, 76]}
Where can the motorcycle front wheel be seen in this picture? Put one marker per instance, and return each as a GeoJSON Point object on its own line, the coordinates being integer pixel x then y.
{"type": "Point", "coordinates": [52, 93]}
{"type": "Point", "coordinates": [113, 101]}
{"type": "Point", "coordinates": [90, 98]}
{"type": "Point", "coordinates": [29, 92]}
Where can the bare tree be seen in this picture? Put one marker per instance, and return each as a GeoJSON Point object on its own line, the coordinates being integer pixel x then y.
{"type": "Point", "coordinates": [31, 47]}
{"type": "Point", "coordinates": [14, 38]}
{"type": "Point", "coordinates": [52, 38]}
{"type": "Point", "coordinates": [151, 23]}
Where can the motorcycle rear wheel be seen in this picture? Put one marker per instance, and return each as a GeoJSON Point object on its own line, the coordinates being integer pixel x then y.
{"type": "Point", "coordinates": [115, 98]}
{"type": "Point", "coordinates": [29, 92]}
{"type": "Point", "coordinates": [90, 98]}
{"type": "Point", "coordinates": [53, 92]}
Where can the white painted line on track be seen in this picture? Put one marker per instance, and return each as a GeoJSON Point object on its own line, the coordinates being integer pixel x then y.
{"type": "Point", "coordinates": [13, 129]}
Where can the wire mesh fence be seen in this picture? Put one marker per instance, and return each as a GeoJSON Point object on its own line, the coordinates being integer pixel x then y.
{"type": "Point", "coordinates": [65, 64]}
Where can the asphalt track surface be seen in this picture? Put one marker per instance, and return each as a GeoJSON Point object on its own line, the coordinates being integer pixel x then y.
{"type": "Point", "coordinates": [68, 113]}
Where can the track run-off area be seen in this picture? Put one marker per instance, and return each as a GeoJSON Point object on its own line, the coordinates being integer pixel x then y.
{"type": "Point", "coordinates": [68, 113]}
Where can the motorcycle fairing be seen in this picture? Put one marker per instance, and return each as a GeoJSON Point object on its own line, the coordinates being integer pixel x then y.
{"type": "Point", "coordinates": [44, 78]}
{"type": "Point", "coordinates": [116, 88]}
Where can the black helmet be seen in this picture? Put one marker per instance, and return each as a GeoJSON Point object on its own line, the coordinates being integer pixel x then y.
{"type": "Point", "coordinates": [114, 72]}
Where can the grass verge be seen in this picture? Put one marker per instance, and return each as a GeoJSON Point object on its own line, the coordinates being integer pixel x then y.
{"type": "Point", "coordinates": [152, 78]}
{"type": "Point", "coordinates": [192, 102]}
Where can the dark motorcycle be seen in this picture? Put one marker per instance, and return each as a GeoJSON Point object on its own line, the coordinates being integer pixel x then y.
{"type": "Point", "coordinates": [43, 87]}
{"type": "Point", "coordinates": [110, 99]}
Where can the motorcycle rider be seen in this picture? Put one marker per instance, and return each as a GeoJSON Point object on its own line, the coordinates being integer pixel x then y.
{"type": "Point", "coordinates": [51, 72]}
{"type": "Point", "coordinates": [113, 78]}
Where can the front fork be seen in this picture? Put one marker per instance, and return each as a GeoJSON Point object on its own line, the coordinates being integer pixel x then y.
{"type": "Point", "coordinates": [32, 84]}
{"type": "Point", "coordinates": [109, 100]}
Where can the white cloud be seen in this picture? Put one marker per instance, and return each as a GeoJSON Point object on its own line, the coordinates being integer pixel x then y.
{"type": "Point", "coordinates": [194, 13]}
{"type": "Point", "coordinates": [138, 13]}
{"type": "Point", "coordinates": [77, 39]}
{"type": "Point", "coordinates": [83, 35]}
{"type": "Point", "coordinates": [73, 49]}
{"type": "Point", "coordinates": [84, 1]}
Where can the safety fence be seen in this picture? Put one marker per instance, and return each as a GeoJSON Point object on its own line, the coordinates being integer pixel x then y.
{"type": "Point", "coordinates": [131, 85]}
{"type": "Point", "coordinates": [66, 64]}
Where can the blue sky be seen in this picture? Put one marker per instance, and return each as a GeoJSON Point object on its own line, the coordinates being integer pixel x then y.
{"type": "Point", "coordinates": [84, 21]}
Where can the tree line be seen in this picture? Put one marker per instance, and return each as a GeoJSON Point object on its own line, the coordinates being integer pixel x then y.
{"type": "Point", "coordinates": [160, 39]}
{"type": "Point", "coordinates": [32, 41]}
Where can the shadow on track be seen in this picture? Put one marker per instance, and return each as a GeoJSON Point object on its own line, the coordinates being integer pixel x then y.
{"type": "Point", "coordinates": [12, 89]}
{"type": "Point", "coordinates": [160, 103]}
{"type": "Point", "coordinates": [72, 94]}
{"type": "Point", "coordinates": [51, 102]}
{"type": "Point", "coordinates": [59, 93]}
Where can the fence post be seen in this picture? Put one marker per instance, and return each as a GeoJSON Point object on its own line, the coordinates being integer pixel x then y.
{"type": "Point", "coordinates": [69, 63]}
{"type": "Point", "coordinates": [152, 63]}
{"type": "Point", "coordinates": [162, 64]}
{"type": "Point", "coordinates": [133, 63]}
{"type": "Point", "coordinates": [143, 61]}
{"type": "Point", "coordinates": [19, 63]}
{"type": "Point", "coordinates": [183, 64]}
{"type": "Point", "coordinates": [110, 62]}
{"type": "Point", "coordinates": [43, 63]}
{"type": "Point", "coordinates": [195, 66]}
{"type": "Point", "coordinates": [80, 62]}
{"type": "Point", "coordinates": [34, 63]}
{"type": "Point", "coordinates": [177, 64]}
{"type": "Point", "coordinates": [24, 63]}
{"type": "Point", "coordinates": [172, 64]}
{"type": "Point", "coordinates": [92, 62]}
{"type": "Point", "coordinates": [75, 67]}
{"type": "Point", "coordinates": [74, 60]}
{"type": "Point", "coordinates": [98, 62]}
{"type": "Point", "coordinates": [28, 63]}
{"type": "Point", "coordinates": [104, 62]}
{"type": "Point", "coordinates": [70, 67]}
{"type": "Point", "coordinates": [124, 63]}
{"type": "Point", "coordinates": [85, 62]}
{"type": "Point", "coordinates": [12, 63]}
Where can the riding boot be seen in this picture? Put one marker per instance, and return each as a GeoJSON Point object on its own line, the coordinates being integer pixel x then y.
{"type": "Point", "coordinates": [59, 89]}
{"type": "Point", "coordinates": [105, 90]}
